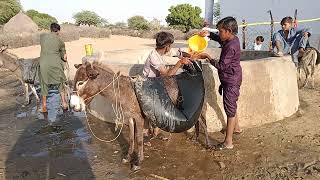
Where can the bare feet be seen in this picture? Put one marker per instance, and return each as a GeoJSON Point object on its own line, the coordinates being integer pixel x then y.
{"type": "Point", "coordinates": [43, 109]}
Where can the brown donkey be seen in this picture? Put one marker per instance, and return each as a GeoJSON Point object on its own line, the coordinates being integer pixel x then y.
{"type": "Point", "coordinates": [95, 79]}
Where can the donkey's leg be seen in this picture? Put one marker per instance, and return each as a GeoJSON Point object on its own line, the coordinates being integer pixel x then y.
{"type": "Point", "coordinates": [196, 132]}
{"type": "Point", "coordinates": [26, 93]}
{"type": "Point", "coordinates": [139, 138]}
{"type": "Point", "coordinates": [203, 124]}
{"type": "Point", "coordinates": [312, 73]}
{"type": "Point", "coordinates": [307, 72]}
{"type": "Point", "coordinates": [139, 134]}
{"type": "Point", "coordinates": [34, 92]}
{"type": "Point", "coordinates": [127, 158]}
{"type": "Point", "coordinates": [313, 66]}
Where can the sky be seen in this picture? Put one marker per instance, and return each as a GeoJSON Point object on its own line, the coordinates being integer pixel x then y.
{"type": "Point", "coordinates": [112, 10]}
{"type": "Point", "coordinates": [121, 10]}
{"type": "Point", "coordinates": [256, 10]}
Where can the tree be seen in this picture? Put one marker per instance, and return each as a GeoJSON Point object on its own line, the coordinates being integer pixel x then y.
{"type": "Point", "coordinates": [8, 9]}
{"type": "Point", "coordinates": [87, 18]}
{"type": "Point", "coordinates": [138, 23]}
{"type": "Point", "coordinates": [185, 16]}
{"type": "Point", "coordinates": [120, 24]}
{"type": "Point", "coordinates": [104, 22]}
{"type": "Point", "coordinates": [216, 12]}
{"type": "Point", "coordinates": [155, 24]}
{"type": "Point", "coordinates": [43, 20]}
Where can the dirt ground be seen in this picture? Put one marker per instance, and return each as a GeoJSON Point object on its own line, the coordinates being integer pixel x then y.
{"type": "Point", "coordinates": [59, 145]}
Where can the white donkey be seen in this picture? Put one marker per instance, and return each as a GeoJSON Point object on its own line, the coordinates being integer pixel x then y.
{"type": "Point", "coordinates": [10, 62]}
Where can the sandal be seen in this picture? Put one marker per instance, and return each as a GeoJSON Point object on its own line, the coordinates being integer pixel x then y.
{"type": "Point", "coordinates": [222, 146]}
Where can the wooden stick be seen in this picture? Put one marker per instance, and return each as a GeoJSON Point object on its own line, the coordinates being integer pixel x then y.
{"type": "Point", "coordinates": [272, 29]}
{"type": "Point", "coordinates": [158, 177]}
{"type": "Point", "coordinates": [244, 34]}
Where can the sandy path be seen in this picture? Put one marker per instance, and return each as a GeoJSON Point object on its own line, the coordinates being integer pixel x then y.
{"type": "Point", "coordinates": [128, 48]}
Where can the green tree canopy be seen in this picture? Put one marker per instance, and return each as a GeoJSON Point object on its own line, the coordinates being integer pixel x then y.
{"type": "Point", "coordinates": [184, 16]}
{"type": "Point", "coordinates": [88, 18]}
{"type": "Point", "coordinates": [8, 9]}
{"type": "Point", "coordinates": [138, 23]}
{"type": "Point", "coordinates": [43, 20]}
{"type": "Point", "coordinates": [216, 12]}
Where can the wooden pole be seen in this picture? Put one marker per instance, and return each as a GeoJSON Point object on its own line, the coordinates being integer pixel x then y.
{"type": "Point", "coordinates": [271, 29]}
{"type": "Point", "coordinates": [244, 28]}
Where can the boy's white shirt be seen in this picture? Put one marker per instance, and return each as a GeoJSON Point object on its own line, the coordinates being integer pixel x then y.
{"type": "Point", "coordinates": [257, 47]}
{"type": "Point", "coordinates": [156, 60]}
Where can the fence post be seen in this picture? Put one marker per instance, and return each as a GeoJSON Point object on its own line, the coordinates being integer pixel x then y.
{"type": "Point", "coordinates": [244, 28]}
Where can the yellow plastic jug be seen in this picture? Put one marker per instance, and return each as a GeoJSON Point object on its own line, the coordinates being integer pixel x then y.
{"type": "Point", "coordinates": [89, 49]}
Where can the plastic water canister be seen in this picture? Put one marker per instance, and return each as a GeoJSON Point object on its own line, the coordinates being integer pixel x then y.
{"type": "Point", "coordinates": [89, 49]}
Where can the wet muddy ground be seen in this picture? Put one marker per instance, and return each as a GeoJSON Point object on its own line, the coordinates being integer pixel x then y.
{"type": "Point", "coordinates": [59, 146]}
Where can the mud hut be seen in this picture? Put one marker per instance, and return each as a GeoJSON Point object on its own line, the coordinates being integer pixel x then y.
{"type": "Point", "coordinates": [20, 23]}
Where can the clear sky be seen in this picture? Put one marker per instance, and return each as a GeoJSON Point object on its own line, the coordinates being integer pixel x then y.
{"type": "Point", "coordinates": [112, 10]}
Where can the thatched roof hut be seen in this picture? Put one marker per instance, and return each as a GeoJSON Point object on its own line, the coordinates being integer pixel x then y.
{"type": "Point", "coordinates": [20, 23]}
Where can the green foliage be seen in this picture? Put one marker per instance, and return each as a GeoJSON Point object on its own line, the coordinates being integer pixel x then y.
{"type": "Point", "coordinates": [88, 18]}
{"type": "Point", "coordinates": [43, 20]}
{"type": "Point", "coordinates": [8, 9]}
{"type": "Point", "coordinates": [138, 23]}
{"type": "Point", "coordinates": [216, 12]}
{"type": "Point", "coordinates": [185, 16]}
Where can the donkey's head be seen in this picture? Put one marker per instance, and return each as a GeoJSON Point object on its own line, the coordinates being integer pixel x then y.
{"type": "Point", "coordinates": [85, 72]}
{"type": "Point", "coordinates": [2, 49]}
{"type": "Point", "coordinates": [7, 60]}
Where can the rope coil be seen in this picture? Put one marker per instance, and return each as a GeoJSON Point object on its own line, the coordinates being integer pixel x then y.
{"type": "Point", "coordinates": [117, 108]}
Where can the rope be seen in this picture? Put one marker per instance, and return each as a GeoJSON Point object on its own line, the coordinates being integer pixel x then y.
{"type": "Point", "coordinates": [102, 140]}
{"type": "Point", "coordinates": [268, 23]}
{"type": "Point", "coordinates": [117, 109]}
{"type": "Point", "coordinates": [103, 88]}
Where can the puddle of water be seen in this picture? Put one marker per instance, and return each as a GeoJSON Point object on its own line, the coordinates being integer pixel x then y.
{"type": "Point", "coordinates": [34, 111]}
{"type": "Point", "coordinates": [41, 154]}
{"type": "Point", "coordinates": [22, 115]}
{"type": "Point", "coordinates": [54, 108]}
{"type": "Point", "coordinates": [80, 153]}
{"type": "Point", "coordinates": [82, 136]}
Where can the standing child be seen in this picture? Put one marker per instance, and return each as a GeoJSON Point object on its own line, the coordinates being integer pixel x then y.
{"type": "Point", "coordinates": [230, 74]}
{"type": "Point", "coordinates": [257, 45]}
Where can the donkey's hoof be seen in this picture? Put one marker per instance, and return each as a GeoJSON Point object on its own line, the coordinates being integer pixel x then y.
{"type": "Point", "coordinates": [135, 168]}
{"type": "Point", "coordinates": [125, 161]}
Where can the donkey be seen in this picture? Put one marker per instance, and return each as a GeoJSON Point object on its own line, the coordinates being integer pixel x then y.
{"type": "Point", "coordinates": [10, 62]}
{"type": "Point", "coordinates": [96, 78]}
{"type": "Point", "coordinates": [310, 59]}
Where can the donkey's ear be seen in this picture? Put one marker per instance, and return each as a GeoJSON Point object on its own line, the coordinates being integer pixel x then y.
{"type": "Point", "coordinates": [3, 48]}
{"type": "Point", "coordinates": [77, 66]}
{"type": "Point", "coordinates": [91, 73]}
